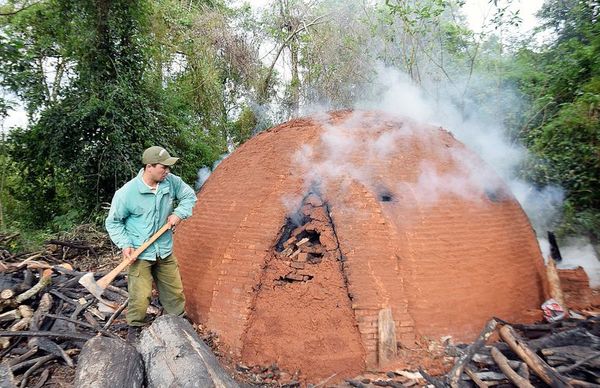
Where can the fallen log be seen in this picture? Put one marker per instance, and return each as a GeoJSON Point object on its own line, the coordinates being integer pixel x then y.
{"type": "Point", "coordinates": [455, 374]}
{"type": "Point", "coordinates": [7, 294]}
{"type": "Point", "coordinates": [489, 360]}
{"type": "Point", "coordinates": [54, 334]}
{"type": "Point", "coordinates": [476, 380]}
{"type": "Point", "coordinates": [174, 356]}
{"type": "Point", "coordinates": [571, 354]}
{"type": "Point", "coordinates": [493, 377]}
{"type": "Point", "coordinates": [574, 336]}
{"type": "Point", "coordinates": [565, 369]}
{"type": "Point", "coordinates": [554, 283]}
{"type": "Point", "coordinates": [44, 281]}
{"type": "Point", "coordinates": [537, 365]}
{"type": "Point", "coordinates": [507, 370]}
{"type": "Point", "coordinates": [107, 363]}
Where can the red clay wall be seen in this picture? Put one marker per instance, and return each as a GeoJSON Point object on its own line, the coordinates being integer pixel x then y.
{"type": "Point", "coordinates": [444, 267]}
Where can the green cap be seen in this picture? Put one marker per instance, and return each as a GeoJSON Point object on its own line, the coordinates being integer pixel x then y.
{"type": "Point", "coordinates": [157, 154]}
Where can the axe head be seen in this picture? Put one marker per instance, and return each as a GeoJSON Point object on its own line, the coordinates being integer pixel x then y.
{"type": "Point", "coordinates": [90, 284]}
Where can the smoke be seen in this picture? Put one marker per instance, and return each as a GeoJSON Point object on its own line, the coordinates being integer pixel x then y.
{"type": "Point", "coordinates": [477, 124]}
{"type": "Point", "coordinates": [204, 172]}
{"type": "Point", "coordinates": [472, 106]}
{"type": "Point", "coordinates": [577, 252]}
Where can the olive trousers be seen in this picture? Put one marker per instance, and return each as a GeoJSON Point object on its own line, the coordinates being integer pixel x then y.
{"type": "Point", "coordinates": [165, 272]}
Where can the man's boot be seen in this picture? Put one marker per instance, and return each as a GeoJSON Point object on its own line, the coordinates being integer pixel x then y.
{"type": "Point", "coordinates": [133, 333]}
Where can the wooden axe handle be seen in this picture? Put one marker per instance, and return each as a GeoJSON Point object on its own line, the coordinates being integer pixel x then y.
{"type": "Point", "coordinates": [109, 277]}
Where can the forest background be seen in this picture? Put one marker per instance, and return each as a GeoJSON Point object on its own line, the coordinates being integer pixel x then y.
{"type": "Point", "coordinates": [101, 80]}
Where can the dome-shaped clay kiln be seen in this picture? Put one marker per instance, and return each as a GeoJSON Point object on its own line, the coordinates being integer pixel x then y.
{"type": "Point", "coordinates": [306, 238]}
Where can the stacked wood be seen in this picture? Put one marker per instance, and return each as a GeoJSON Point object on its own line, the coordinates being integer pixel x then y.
{"type": "Point", "coordinates": [46, 316]}
{"type": "Point", "coordinates": [305, 246]}
{"type": "Point", "coordinates": [174, 356]}
{"type": "Point", "coordinates": [567, 353]}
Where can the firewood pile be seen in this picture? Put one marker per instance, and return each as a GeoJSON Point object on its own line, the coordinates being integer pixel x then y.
{"type": "Point", "coordinates": [46, 316]}
{"type": "Point", "coordinates": [565, 353]}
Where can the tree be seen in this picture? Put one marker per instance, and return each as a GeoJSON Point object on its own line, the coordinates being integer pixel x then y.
{"type": "Point", "coordinates": [102, 80]}
{"type": "Point", "coordinates": [563, 127]}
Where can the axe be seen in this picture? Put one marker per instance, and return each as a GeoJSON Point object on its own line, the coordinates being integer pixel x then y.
{"type": "Point", "coordinates": [96, 288]}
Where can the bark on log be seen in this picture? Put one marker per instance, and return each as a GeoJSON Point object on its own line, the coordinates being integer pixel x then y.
{"type": "Point", "coordinates": [107, 363]}
{"type": "Point", "coordinates": [572, 354]}
{"type": "Point", "coordinates": [489, 360]}
{"type": "Point", "coordinates": [174, 356]}
{"type": "Point", "coordinates": [535, 363]}
{"type": "Point", "coordinates": [575, 336]}
{"type": "Point", "coordinates": [476, 380]}
{"type": "Point", "coordinates": [455, 374]}
{"type": "Point", "coordinates": [44, 281]}
{"type": "Point", "coordinates": [554, 282]}
{"type": "Point", "coordinates": [507, 370]}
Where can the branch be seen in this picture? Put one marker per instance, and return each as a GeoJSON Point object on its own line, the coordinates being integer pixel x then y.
{"type": "Point", "coordinates": [535, 363]}
{"type": "Point", "coordinates": [455, 374]}
{"type": "Point", "coordinates": [507, 370]}
{"type": "Point", "coordinates": [301, 28]}
{"type": "Point", "coordinates": [12, 13]}
{"type": "Point", "coordinates": [55, 334]}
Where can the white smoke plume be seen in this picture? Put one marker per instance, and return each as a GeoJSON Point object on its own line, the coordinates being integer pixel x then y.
{"type": "Point", "coordinates": [480, 129]}
{"type": "Point", "coordinates": [204, 172]}
{"type": "Point", "coordinates": [577, 252]}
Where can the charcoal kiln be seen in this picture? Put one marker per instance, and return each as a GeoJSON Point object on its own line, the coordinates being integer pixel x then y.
{"type": "Point", "coordinates": [310, 232]}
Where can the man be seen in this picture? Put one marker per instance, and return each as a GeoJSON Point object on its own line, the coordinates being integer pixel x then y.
{"type": "Point", "coordinates": [138, 209]}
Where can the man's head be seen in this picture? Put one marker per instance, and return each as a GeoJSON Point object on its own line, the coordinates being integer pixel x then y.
{"type": "Point", "coordinates": [157, 154]}
{"type": "Point", "coordinates": [157, 163]}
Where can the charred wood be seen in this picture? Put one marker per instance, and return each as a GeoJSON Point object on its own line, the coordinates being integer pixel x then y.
{"type": "Point", "coordinates": [513, 376]}
{"type": "Point", "coordinates": [74, 336]}
{"type": "Point", "coordinates": [579, 335]}
{"type": "Point", "coordinates": [107, 363]}
{"type": "Point", "coordinates": [44, 281]}
{"type": "Point", "coordinates": [537, 365]}
{"type": "Point", "coordinates": [192, 355]}
{"type": "Point", "coordinates": [455, 374]}
{"type": "Point", "coordinates": [43, 378]}
{"type": "Point", "coordinates": [571, 354]}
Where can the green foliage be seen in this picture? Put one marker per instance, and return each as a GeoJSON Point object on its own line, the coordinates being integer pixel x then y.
{"type": "Point", "coordinates": [244, 126]}
{"type": "Point", "coordinates": [563, 127]}
{"type": "Point", "coordinates": [417, 14]}
{"type": "Point", "coordinates": [104, 80]}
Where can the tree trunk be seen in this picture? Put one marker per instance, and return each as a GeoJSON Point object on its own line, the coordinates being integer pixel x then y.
{"type": "Point", "coordinates": [108, 363]}
{"type": "Point", "coordinates": [174, 356]}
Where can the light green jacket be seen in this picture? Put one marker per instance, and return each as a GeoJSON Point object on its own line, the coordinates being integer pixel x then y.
{"type": "Point", "coordinates": [136, 213]}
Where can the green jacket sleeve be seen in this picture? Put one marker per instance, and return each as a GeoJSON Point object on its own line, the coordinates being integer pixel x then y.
{"type": "Point", "coordinates": [115, 222]}
{"type": "Point", "coordinates": [186, 197]}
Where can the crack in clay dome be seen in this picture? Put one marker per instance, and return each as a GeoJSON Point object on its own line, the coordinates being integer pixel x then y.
{"type": "Point", "coordinates": [365, 270]}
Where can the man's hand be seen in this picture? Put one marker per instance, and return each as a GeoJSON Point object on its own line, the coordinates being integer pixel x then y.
{"type": "Point", "coordinates": [127, 252]}
{"type": "Point", "coordinates": [174, 220]}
